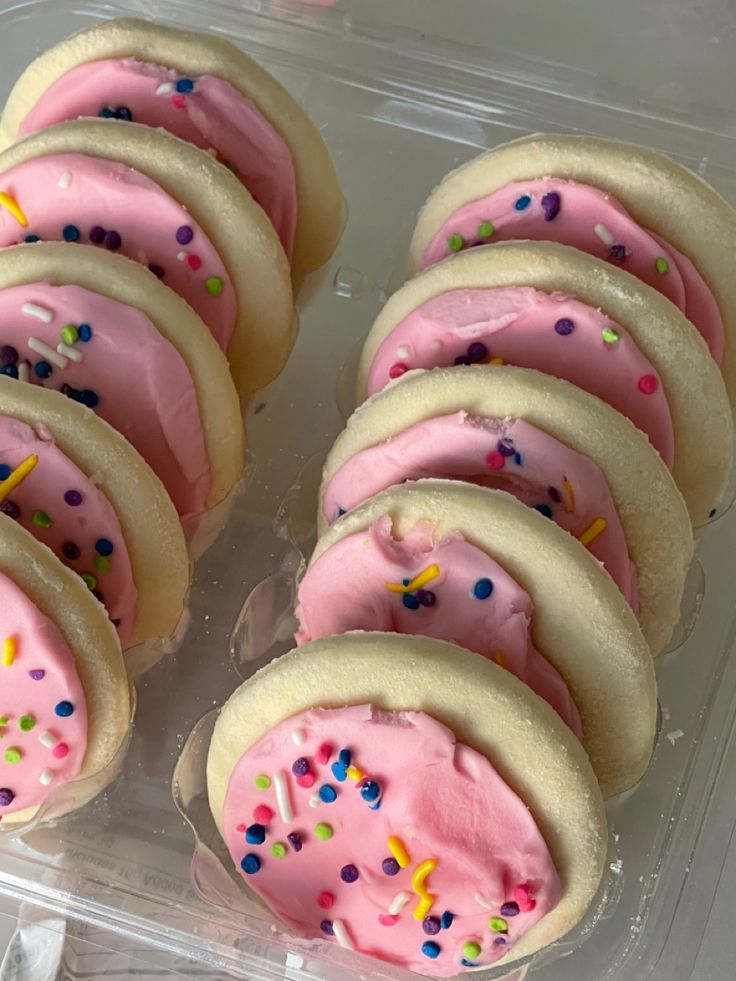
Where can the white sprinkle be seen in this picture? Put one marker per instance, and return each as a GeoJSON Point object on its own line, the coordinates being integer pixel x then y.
{"type": "Point", "coordinates": [604, 234]}
{"type": "Point", "coordinates": [47, 352]}
{"type": "Point", "coordinates": [482, 901]}
{"type": "Point", "coordinates": [24, 373]}
{"type": "Point", "coordinates": [65, 180]}
{"type": "Point", "coordinates": [314, 800]}
{"type": "Point", "coordinates": [46, 777]}
{"type": "Point", "coordinates": [282, 798]}
{"type": "Point", "coordinates": [39, 312]}
{"type": "Point", "coordinates": [398, 902]}
{"type": "Point", "coordinates": [165, 88]}
{"type": "Point", "coordinates": [298, 735]}
{"type": "Point", "coordinates": [675, 735]}
{"type": "Point", "coordinates": [70, 352]}
{"type": "Point", "coordinates": [403, 351]}
{"type": "Point", "coordinates": [341, 934]}
{"type": "Point", "coordinates": [181, 256]}
{"type": "Point", "coordinates": [47, 740]}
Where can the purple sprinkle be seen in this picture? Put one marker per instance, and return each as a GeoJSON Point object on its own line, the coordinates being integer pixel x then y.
{"type": "Point", "coordinates": [326, 927]}
{"type": "Point", "coordinates": [73, 498]}
{"type": "Point", "coordinates": [157, 270]}
{"type": "Point", "coordinates": [8, 354]}
{"type": "Point", "coordinates": [551, 205]}
{"type": "Point", "coordinates": [11, 509]}
{"type": "Point", "coordinates": [554, 494]}
{"type": "Point", "coordinates": [617, 253]}
{"type": "Point", "coordinates": [184, 235]}
{"type": "Point", "coordinates": [97, 234]}
{"type": "Point", "coordinates": [6, 797]}
{"type": "Point", "coordinates": [38, 674]}
{"type": "Point", "coordinates": [505, 446]}
{"type": "Point", "coordinates": [564, 326]}
{"type": "Point", "coordinates": [295, 840]}
{"type": "Point", "coordinates": [477, 351]}
{"type": "Point", "coordinates": [426, 597]}
{"type": "Point", "coordinates": [500, 941]}
{"type": "Point", "coordinates": [390, 866]}
{"type": "Point", "coordinates": [349, 873]}
{"type": "Point", "coordinates": [463, 359]}
{"type": "Point", "coordinates": [70, 551]}
{"type": "Point", "coordinates": [431, 925]}
{"type": "Point", "coordinates": [300, 767]}
{"type": "Point", "coordinates": [113, 241]}
{"type": "Point", "coordinates": [510, 909]}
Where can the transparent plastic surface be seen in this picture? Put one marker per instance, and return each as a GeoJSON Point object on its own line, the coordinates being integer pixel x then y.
{"type": "Point", "coordinates": [398, 111]}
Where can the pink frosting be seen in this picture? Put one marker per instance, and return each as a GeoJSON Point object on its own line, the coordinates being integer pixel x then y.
{"type": "Point", "coordinates": [213, 115]}
{"type": "Point", "coordinates": [594, 222]}
{"type": "Point", "coordinates": [444, 801]}
{"type": "Point", "coordinates": [509, 454]}
{"type": "Point", "coordinates": [73, 531]}
{"type": "Point", "coordinates": [469, 600]}
{"type": "Point", "coordinates": [43, 712]}
{"type": "Point", "coordinates": [141, 382]}
{"type": "Point", "coordinates": [523, 326]}
{"type": "Point", "coordinates": [90, 197]}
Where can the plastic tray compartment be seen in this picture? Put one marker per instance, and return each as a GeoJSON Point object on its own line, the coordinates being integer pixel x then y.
{"type": "Point", "coordinates": [396, 119]}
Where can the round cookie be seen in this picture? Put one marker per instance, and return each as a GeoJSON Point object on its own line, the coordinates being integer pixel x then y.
{"type": "Point", "coordinates": [427, 683]}
{"type": "Point", "coordinates": [662, 196]}
{"type": "Point", "coordinates": [65, 696]}
{"type": "Point", "coordinates": [174, 400]}
{"type": "Point", "coordinates": [578, 620]}
{"type": "Point", "coordinates": [650, 508]}
{"type": "Point", "coordinates": [148, 524]}
{"type": "Point", "coordinates": [689, 379]}
{"type": "Point", "coordinates": [82, 181]}
{"type": "Point", "coordinates": [319, 202]}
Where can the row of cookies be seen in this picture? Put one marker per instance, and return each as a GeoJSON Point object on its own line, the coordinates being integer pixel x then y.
{"type": "Point", "coordinates": [145, 295]}
{"type": "Point", "coordinates": [543, 425]}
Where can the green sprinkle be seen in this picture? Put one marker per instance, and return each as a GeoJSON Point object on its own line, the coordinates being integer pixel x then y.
{"type": "Point", "coordinates": [13, 755]}
{"type": "Point", "coordinates": [278, 850]}
{"type": "Point", "coordinates": [214, 285]}
{"type": "Point", "coordinates": [323, 831]}
{"type": "Point", "coordinates": [101, 563]}
{"type": "Point", "coordinates": [662, 264]}
{"type": "Point", "coordinates": [42, 519]}
{"type": "Point", "coordinates": [26, 723]}
{"type": "Point", "coordinates": [70, 334]}
{"type": "Point", "coordinates": [456, 242]}
{"type": "Point", "coordinates": [262, 781]}
{"type": "Point", "coordinates": [610, 336]}
{"type": "Point", "coordinates": [486, 229]}
{"type": "Point", "coordinates": [498, 924]}
{"type": "Point", "coordinates": [471, 950]}
{"type": "Point", "coordinates": [89, 580]}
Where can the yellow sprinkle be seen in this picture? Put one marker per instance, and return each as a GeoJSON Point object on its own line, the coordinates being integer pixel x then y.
{"type": "Point", "coordinates": [10, 646]}
{"type": "Point", "coordinates": [426, 899]}
{"type": "Point", "coordinates": [570, 494]}
{"type": "Point", "coordinates": [396, 847]}
{"type": "Point", "coordinates": [17, 476]}
{"type": "Point", "coordinates": [423, 907]}
{"type": "Point", "coordinates": [9, 202]}
{"type": "Point", "coordinates": [498, 657]}
{"type": "Point", "coordinates": [354, 773]}
{"type": "Point", "coordinates": [496, 361]}
{"type": "Point", "coordinates": [427, 575]}
{"type": "Point", "coordinates": [593, 531]}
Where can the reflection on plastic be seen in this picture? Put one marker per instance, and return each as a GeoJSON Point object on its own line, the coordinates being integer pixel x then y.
{"type": "Point", "coordinates": [35, 951]}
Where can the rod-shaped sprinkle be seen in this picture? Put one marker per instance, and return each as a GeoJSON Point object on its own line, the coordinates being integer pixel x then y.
{"type": "Point", "coordinates": [283, 801]}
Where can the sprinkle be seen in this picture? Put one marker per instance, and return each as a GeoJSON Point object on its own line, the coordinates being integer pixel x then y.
{"type": "Point", "coordinates": [38, 312]}
{"type": "Point", "coordinates": [471, 949]}
{"type": "Point", "coordinates": [262, 781]}
{"type": "Point", "coordinates": [298, 735]}
{"type": "Point", "coordinates": [446, 920]}
{"type": "Point", "coordinates": [300, 767]}
{"type": "Point", "coordinates": [184, 234]}
{"type": "Point", "coordinates": [426, 597]}
{"type": "Point", "coordinates": [85, 333]}
{"type": "Point", "coordinates": [524, 899]}
{"type": "Point", "coordinates": [386, 919]}
{"type": "Point", "coordinates": [307, 780]}
{"type": "Point", "coordinates": [610, 335]}
{"type": "Point", "coordinates": [617, 252]}
{"type": "Point", "coordinates": [165, 88]}
{"type": "Point", "coordinates": [593, 531]}
{"type": "Point", "coordinates": [314, 801]}
{"type": "Point", "coordinates": [390, 866]}
{"type": "Point", "coordinates": [648, 384]}
{"type": "Point", "coordinates": [60, 751]}
{"type": "Point", "coordinates": [486, 229]}
{"type": "Point", "coordinates": [10, 649]}
{"type": "Point", "coordinates": [498, 657]}
{"type": "Point", "coordinates": [295, 840]}
{"type": "Point", "coordinates": [327, 793]}
{"type": "Point", "coordinates": [282, 798]}
{"type": "Point", "coordinates": [278, 849]}
{"type": "Point", "coordinates": [30, 239]}
{"type": "Point", "coordinates": [426, 899]}
{"type": "Point", "coordinates": [544, 509]}
{"type": "Point", "coordinates": [431, 925]}
{"type": "Point", "coordinates": [455, 242]}
{"type": "Point", "coordinates": [97, 234]}
{"type": "Point", "coordinates": [70, 233]}
{"type": "Point", "coordinates": [194, 262]}
{"type": "Point", "coordinates": [45, 777]}
{"type": "Point", "coordinates": [410, 602]}
{"type": "Point", "coordinates": [250, 864]}
{"type": "Point", "coordinates": [214, 285]}
{"type": "Point", "coordinates": [498, 924]}
{"type": "Point", "coordinates": [496, 460]}
{"type": "Point", "coordinates": [37, 674]}
{"type": "Point", "coordinates": [604, 234]}
{"type": "Point", "coordinates": [323, 831]}
{"type": "Point", "coordinates": [500, 941]}
{"type": "Point", "coordinates": [113, 241]}
{"type": "Point", "coordinates": [326, 927]}
{"type": "Point", "coordinates": [551, 205]}
{"type": "Point", "coordinates": [42, 520]}
{"type": "Point", "coordinates": [482, 901]}
{"type": "Point", "coordinates": [69, 334]}
{"type": "Point", "coordinates": [349, 873]}
{"type": "Point", "coordinates": [262, 814]}
{"type": "Point", "coordinates": [510, 909]}
{"type": "Point", "coordinates": [370, 791]}
{"type": "Point", "coordinates": [64, 709]}
{"type": "Point", "coordinates": [47, 352]}
{"type": "Point", "coordinates": [354, 773]}
{"type": "Point", "coordinates": [325, 900]}
{"type": "Point", "coordinates": [712, 513]}
{"type": "Point", "coordinates": [399, 852]}
{"type": "Point", "coordinates": [6, 797]}
{"type": "Point", "coordinates": [522, 203]}
{"type": "Point", "coordinates": [341, 935]}
{"type": "Point", "coordinates": [425, 576]}
{"type": "Point", "coordinates": [11, 509]}
{"type": "Point", "coordinates": [431, 949]}
{"type": "Point", "coordinates": [88, 397]}
{"type": "Point", "coordinates": [47, 740]}
{"type": "Point", "coordinates": [24, 372]}
{"type": "Point", "coordinates": [661, 265]}
{"type": "Point", "coordinates": [184, 85]}
{"type": "Point", "coordinates": [397, 370]}
{"type": "Point", "coordinates": [43, 369]}
{"type": "Point", "coordinates": [18, 476]}
{"type": "Point", "coordinates": [505, 446]}
{"type": "Point", "coordinates": [324, 753]}
{"type": "Point", "coordinates": [255, 834]}
{"type": "Point", "coordinates": [73, 498]}
{"type": "Point", "coordinates": [483, 589]}
{"type": "Point", "coordinates": [10, 370]}
{"type": "Point", "coordinates": [497, 361]}
{"type": "Point", "coordinates": [399, 902]}
{"type": "Point", "coordinates": [477, 351]}
{"type": "Point", "coordinates": [8, 354]}
{"type": "Point", "coordinates": [571, 495]}
{"type": "Point", "coordinates": [13, 755]}
{"type": "Point", "coordinates": [65, 180]}
{"type": "Point", "coordinates": [89, 580]}
{"type": "Point", "coordinates": [564, 326]}
{"type": "Point", "coordinates": [10, 204]}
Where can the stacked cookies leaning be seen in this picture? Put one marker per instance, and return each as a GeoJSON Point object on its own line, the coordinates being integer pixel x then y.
{"type": "Point", "coordinates": [161, 197]}
{"type": "Point", "coordinates": [506, 525]}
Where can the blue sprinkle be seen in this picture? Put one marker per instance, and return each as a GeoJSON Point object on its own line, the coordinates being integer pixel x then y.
{"type": "Point", "coordinates": [104, 546]}
{"type": "Point", "coordinates": [31, 239]}
{"type": "Point", "coordinates": [517, 459]}
{"type": "Point", "coordinates": [122, 112]}
{"type": "Point", "coordinates": [483, 589]}
{"type": "Point", "coordinates": [405, 582]}
{"type": "Point", "coordinates": [89, 398]}
{"type": "Point", "coordinates": [9, 369]}
{"type": "Point", "coordinates": [5, 471]}
{"type": "Point", "coordinates": [255, 834]}
{"type": "Point", "coordinates": [376, 806]}
{"type": "Point", "coordinates": [185, 85]}
{"type": "Point", "coordinates": [410, 601]}
{"type": "Point", "coordinates": [250, 864]}
{"type": "Point", "coordinates": [345, 757]}
{"type": "Point", "coordinates": [43, 369]}
{"type": "Point", "coordinates": [370, 790]}
{"type": "Point", "coordinates": [522, 203]}
{"type": "Point", "coordinates": [106, 113]}
{"type": "Point", "coordinates": [431, 949]}
{"type": "Point", "coordinates": [712, 513]}
{"type": "Point", "coordinates": [85, 333]}
{"type": "Point", "coordinates": [70, 233]}
{"type": "Point", "coordinates": [446, 920]}
{"type": "Point", "coordinates": [64, 709]}
{"type": "Point", "coordinates": [327, 793]}
{"type": "Point", "coordinates": [467, 963]}
{"type": "Point", "coordinates": [340, 766]}
{"type": "Point", "coordinates": [544, 509]}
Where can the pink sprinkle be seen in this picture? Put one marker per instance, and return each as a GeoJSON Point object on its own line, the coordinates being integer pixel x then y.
{"type": "Point", "coordinates": [262, 814]}
{"type": "Point", "coordinates": [397, 370]}
{"type": "Point", "coordinates": [648, 384]}
{"type": "Point", "coordinates": [387, 919]}
{"type": "Point", "coordinates": [240, 828]}
{"type": "Point", "coordinates": [325, 900]}
{"type": "Point", "coordinates": [495, 460]}
{"type": "Point", "coordinates": [60, 751]}
{"type": "Point", "coordinates": [524, 899]}
{"type": "Point", "coordinates": [178, 101]}
{"type": "Point", "coordinates": [194, 262]}
{"type": "Point", "coordinates": [306, 781]}
{"type": "Point", "coordinates": [324, 753]}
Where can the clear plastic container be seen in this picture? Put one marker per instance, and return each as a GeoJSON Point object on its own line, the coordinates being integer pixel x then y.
{"type": "Point", "coordinates": [398, 110]}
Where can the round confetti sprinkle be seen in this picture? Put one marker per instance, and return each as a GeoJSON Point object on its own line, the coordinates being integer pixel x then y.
{"type": "Point", "coordinates": [255, 834]}
{"type": "Point", "coordinates": [37, 674]}
{"type": "Point", "coordinates": [485, 229]}
{"type": "Point", "coordinates": [410, 601]}
{"type": "Point", "coordinates": [240, 828]}
{"type": "Point", "coordinates": [390, 866]}
{"type": "Point", "coordinates": [326, 927]}
{"type": "Point", "coordinates": [661, 265]}
{"type": "Point", "coordinates": [564, 326]}
{"type": "Point", "coordinates": [648, 384]}
{"type": "Point", "coordinates": [397, 370]}
{"type": "Point", "coordinates": [554, 494]}
{"type": "Point", "coordinates": [194, 262]}
{"type": "Point", "coordinates": [522, 203]}
{"type": "Point", "coordinates": [325, 751]}
{"type": "Point", "coordinates": [13, 755]}
{"type": "Point", "coordinates": [250, 864]}
{"type": "Point", "coordinates": [89, 398]}
{"type": "Point", "coordinates": [30, 239]}
{"type": "Point", "coordinates": [278, 849]}
{"type": "Point", "coordinates": [11, 509]}
{"type": "Point", "coordinates": [495, 460]}
{"type": "Point", "coordinates": [550, 205]}
{"type": "Point", "coordinates": [103, 546]}
{"type": "Point", "coordinates": [617, 252]}
{"type": "Point", "coordinates": [42, 520]}
{"type": "Point", "coordinates": [498, 924]}
{"type": "Point", "coordinates": [262, 814]}
{"type": "Point", "coordinates": [325, 900]}
{"type": "Point", "coordinates": [610, 335]}
{"type": "Point", "coordinates": [184, 234]}
{"type": "Point", "coordinates": [327, 793]}
{"type": "Point", "coordinates": [471, 949]}
{"type": "Point", "coordinates": [43, 369]}
{"type": "Point", "coordinates": [431, 925]}
{"type": "Point", "coordinates": [113, 241]}
{"type": "Point", "coordinates": [510, 909]}
{"type": "Point", "coordinates": [70, 551]}
{"type": "Point", "coordinates": [306, 780]}
{"type": "Point", "coordinates": [26, 723]}
{"type": "Point", "coordinates": [97, 234]}
{"type": "Point", "coordinates": [10, 370]}
{"type": "Point", "coordinates": [387, 919]}
{"type": "Point", "coordinates": [455, 242]}
{"type": "Point", "coordinates": [446, 920]}
{"type": "Point", "coordinates": [89, 580]}
{"type": "Point", "coordinates": [483, 589]}
{"type": "Point", "coordinates": [505, 446]}
{"type": "Point", "coordinates": [544, 509]}
{"type": "Point", "coordinates": [158, 271]}
{"type": "Point", "coordinates": [122, 112]}
{"type": "Point", "coordinates": [8, 354]}
{"type": "Point", "coordinates": [370, 790]}
{"type": "Point", "coordinates": [500, 941]}
{"type": "Point", "coordinates": [85, 333]}
{"type": "Point", "coordinates": [431, 949]}
{"type": "Point", "coordinates": [300, 767]}
{"type": "Point", "coordinates": [64, 709]}
{"type": "Point", "coordinates": [73, 498]}
{"type": "Point", "coordinates": [262, 781]}
{"type": "Point", "coordinates": [349, 873]}
{"type": "Point", "coordinates": [214, 285]}
{"type": "Point", "coordinates": [70, 233]}
{"type": "Point", "coordinates": [70, 334]}
{"type": "Point", "coordinates": [426, 597]}
{"type": "Point", "coordinates": [60, 751]}
{"type": "Point", "coordinates": [6, 797]}
{"type": "Point", "coordinates": [184, 85]}
{"type": "Point", "coordinates": [5, 471]}
{"type": "Point", "coordinates": [295, 840]}
{"type": "Point", "coordinates": [323, 831]}
{"type": "Point", "coordinates": [477, 351]}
